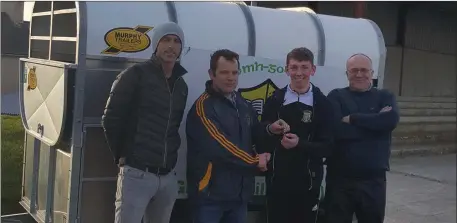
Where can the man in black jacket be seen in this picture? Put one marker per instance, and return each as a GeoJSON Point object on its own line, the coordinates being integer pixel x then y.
{"type": "Point", "coordinates": [222, 131]}
{"type": "Point", "coordinates": [366, 117]}
{"type": "Point", "coordinates": [141, 121]}
{"type": "Point", "coordinates": [294, 180]}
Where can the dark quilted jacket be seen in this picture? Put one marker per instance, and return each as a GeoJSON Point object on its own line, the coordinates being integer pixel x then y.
{"type": "Point", "coordinates": [143, 114]}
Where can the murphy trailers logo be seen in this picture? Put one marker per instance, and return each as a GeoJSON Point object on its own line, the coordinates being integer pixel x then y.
{"type": "Point", "coordinates": [257, 95]}
{"type": "Point", "coordinates": [127, 40]}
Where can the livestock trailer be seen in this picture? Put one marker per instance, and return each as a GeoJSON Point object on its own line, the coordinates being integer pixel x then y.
{"type": "Point", "coordinates": [77, 49]}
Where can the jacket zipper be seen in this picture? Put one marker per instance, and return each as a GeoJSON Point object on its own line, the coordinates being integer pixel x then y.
{"type": "Point", "coordinates": [310, 137]}
{"type": "Point", "coordinates": [241, 135]}
{"type": "Point", "coordinates": [168, 121]}
{"type": "Point", "coordinates": [239, 123]}
{"type": "Point", "coordinates": [274, 151]}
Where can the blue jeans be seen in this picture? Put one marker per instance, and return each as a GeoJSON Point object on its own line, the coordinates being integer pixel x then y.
{"type": "Point", "coordinates": [220, 212]}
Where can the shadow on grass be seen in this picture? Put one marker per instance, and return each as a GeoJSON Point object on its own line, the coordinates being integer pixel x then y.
{"type": "Point", "coordinates": [12, 144]}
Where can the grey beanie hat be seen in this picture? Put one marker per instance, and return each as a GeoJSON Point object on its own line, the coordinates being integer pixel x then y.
{"type": "Point", "coordinates": [168, 28]}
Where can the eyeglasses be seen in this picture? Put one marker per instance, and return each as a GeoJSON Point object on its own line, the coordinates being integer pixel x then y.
{"type": "Point", "coordinates": [359, 70]}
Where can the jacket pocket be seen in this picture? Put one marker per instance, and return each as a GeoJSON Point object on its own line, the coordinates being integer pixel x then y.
{"type": "Point", "coordinates": [131, 172]}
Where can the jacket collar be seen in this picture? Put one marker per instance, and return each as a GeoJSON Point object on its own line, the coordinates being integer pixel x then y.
{"type": "Point", "coordinates": [313, 88]}
{"type": "Point", "coordinates": [310, 89]}
{"type": "Point", "coordinates": [317, 93]}
{"type": "Point", "coordinates": [316, 90]}
{"type": "Point", "coordinates": [178, 70]}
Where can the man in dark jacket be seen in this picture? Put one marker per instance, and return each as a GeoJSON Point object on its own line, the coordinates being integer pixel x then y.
{"type": "Point", "coordinates": [294, 180]}
{"type": "Point", "coordinates": [141, 121]}
{"type": "Point", "coordinates": [366, 117]}
{"type": "Point", "coordinates": [222, 129]}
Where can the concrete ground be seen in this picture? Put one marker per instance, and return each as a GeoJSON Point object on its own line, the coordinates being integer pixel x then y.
{"type": "Point", "coordinates": [422, 190]}
{"type": "Point", "coordinates": [419, 190]}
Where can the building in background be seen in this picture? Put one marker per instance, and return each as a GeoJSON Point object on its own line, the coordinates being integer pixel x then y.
{"type": "Point", "coordinates": [421, 41]}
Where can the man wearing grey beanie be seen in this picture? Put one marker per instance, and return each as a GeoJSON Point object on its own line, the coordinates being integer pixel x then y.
{"type": "Point", "coordinates": [141, 120]}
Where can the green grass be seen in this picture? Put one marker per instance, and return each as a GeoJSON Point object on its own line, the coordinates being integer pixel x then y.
{"type": "Point", "coordinates": [12, 157]}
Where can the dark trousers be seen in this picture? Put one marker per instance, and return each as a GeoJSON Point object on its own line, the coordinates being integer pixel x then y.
{"type": "Point", "coordinates": [366, 198]}
{"type": "Point", "coordinates": [292, 206]}
{"type": "Point", "coordinates": [219, 212]}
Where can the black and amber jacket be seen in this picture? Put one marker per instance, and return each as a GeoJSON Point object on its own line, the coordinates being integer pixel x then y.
{"type": "Point", "coordinates": [221, 139]}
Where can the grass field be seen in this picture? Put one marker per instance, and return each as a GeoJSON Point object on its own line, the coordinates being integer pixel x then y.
{"type": "Point", "coordinates": [12, 149]}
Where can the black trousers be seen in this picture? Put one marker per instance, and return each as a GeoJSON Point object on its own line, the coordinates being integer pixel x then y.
{"type": "Point", "coordinates": [366, 198]}
{"type": "Point", "coordinates": [291, 206]}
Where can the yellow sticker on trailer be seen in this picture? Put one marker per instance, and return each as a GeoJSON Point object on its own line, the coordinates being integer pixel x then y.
{"type": "Point", "coordinates": [31, 79]}
{"type": "Point", "coordinates": [127, 40]}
